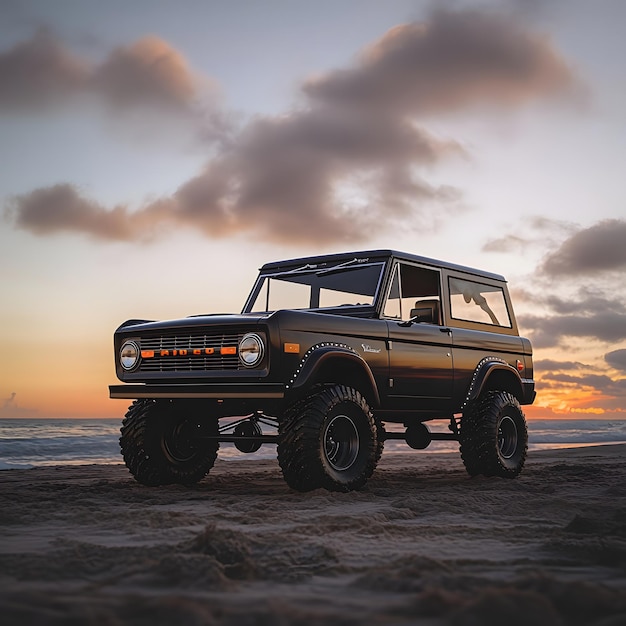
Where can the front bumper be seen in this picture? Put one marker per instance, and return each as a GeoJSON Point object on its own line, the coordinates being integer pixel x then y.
{"type": "Point", "coordinates": [216, 391]}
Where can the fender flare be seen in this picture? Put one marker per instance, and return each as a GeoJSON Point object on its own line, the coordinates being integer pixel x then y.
{"type": "Point", "coordinates": [319, 355]}
{"type": "Point", "coordinates": [485, 368]}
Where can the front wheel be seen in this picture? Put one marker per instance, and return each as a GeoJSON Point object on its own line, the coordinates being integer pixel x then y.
{"type": "Point", "coordinates": [330, 440]}
{"type": "Point", "coordinates": [494, 437]}
{"type": "Point", "coordinates": [160, 442]}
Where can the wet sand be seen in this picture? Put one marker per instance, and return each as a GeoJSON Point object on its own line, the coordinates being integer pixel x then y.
{"type": "Point", "coordinates": [422, 543]}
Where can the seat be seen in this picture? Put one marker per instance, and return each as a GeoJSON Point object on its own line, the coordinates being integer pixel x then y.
{"type": "Point", "coordinates": [426, 311]}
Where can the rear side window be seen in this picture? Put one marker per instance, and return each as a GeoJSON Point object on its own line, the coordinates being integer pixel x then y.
{"type": "Point", "coordinates": [477, 302]}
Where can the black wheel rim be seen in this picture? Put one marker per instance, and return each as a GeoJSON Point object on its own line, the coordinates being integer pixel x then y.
{"type": "Point", "coordinates": [178, 445]}
{"type": "Point", "coordinates": [507, 437]}
{"type": "Point", "coordinates": [341, 442]}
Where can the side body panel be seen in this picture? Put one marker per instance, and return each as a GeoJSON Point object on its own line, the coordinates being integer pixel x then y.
{"type": "Point", "coordinates": [420, 366]}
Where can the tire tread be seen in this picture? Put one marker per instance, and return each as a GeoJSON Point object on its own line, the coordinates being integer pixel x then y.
{"type": "Point", "coordinates": [479, 431]}
{"type": "Point", "coordinates": [299, 447]}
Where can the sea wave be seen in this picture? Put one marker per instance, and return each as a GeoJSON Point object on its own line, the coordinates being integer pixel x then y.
{"type": "Point", "coordinates": [28, 443]}
{"type": "Point", "coordinates": [577, 431]}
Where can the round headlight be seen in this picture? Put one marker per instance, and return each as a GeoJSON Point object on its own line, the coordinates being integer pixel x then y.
{"type": "Point", "coordinates": [250, 349]}
{"type": "Point", "coordinates": [129, 355]}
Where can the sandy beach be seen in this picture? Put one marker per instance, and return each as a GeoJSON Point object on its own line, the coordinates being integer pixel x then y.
{"type": "Point", "coordinates": [422, 543]}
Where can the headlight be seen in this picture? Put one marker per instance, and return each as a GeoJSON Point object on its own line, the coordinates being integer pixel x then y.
{"type": "Point", "coordinates": [251, 349]}
{"type": "Point", "coordinates": [129, 355]}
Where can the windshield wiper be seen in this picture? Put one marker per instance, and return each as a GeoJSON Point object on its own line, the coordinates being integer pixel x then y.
{"type": "Point", "coordinates": [297, 270]}
{"type": "Point", "coordinates": [338, 268]}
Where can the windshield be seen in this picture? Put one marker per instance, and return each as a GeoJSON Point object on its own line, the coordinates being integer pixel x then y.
{"type": "Point", "coordinates": [309, 287]}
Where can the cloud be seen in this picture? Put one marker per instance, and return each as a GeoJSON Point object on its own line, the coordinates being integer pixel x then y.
{"type": "Point", "coordinates": [38, 73]}
{"type": "Point", "coordinates": [616, 359]}
{"type": "Point", "coordinates": [553, 365]}
{"type": "Point", "coordinates": [288, 172]}
{"type": "Point", "coordinates": [41, 72]}
{"type": "Point", "coordinates": [507, 243]}
{"type": "Point", "coordinates": [61, 208]}
{"type": "Point", "coordinates": [9, 402]}
{"type": "Point", "coordinates": [586, 301]}
{"type": "Point", "coordinates": [600, 247]}
{"type": "Point", "coordinates": [550, 331]}
{"type": "Point", "coordinates": [594, 310]}
{"type": "Point", "coordinates": [602, 383]}
{"type": "Point", "coordinates": [280, 180]}
{"type": "Point", "coordinates": [147, 72]}
{"type": "Point", "coordinates": [348, 162]}
{"type": "Point", "coordinates": [455, 59]}
{"type": "Point", "coordinates": [533, 232]}
{"type": "Point", "coordinates": [10, 408]}
{"type": "Point", "coordinates": [589, 312]}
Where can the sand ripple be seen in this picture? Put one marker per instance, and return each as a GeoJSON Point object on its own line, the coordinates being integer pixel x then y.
{"type": "Point", "coordinates": [421, 544]}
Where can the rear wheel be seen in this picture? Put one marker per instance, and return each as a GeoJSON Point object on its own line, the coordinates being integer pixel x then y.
{"type": "Point", "coordinates": [494, 437]}
{"type": "Point", "coordinates": [330, 439]}
{"type": "Point", "coordinates": [160, 442]}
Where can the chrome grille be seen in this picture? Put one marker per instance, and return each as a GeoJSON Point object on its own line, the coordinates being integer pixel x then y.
{"type": "Point", "coordinates": [163, 362]}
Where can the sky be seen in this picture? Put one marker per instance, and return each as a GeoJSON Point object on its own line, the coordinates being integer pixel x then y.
{"type": "Point", "coordinates": [156, 154]}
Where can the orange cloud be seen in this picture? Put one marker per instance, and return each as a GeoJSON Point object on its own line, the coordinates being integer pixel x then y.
{"type": "Point", "coordinates": [146, 72]}
{"type": "Point", "coordinates": [42, 72]}
{"type": "Point", "coordinates": [454, 59]}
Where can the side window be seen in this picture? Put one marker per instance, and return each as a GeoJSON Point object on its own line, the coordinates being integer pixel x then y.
{"type": "Point", "coordinates": [476, 302]}
{"type": "Point", "coordinates": [414, 294]}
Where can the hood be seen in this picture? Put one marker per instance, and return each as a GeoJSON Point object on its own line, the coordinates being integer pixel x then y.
{"type": "Point", "coordinates": [193, 322]}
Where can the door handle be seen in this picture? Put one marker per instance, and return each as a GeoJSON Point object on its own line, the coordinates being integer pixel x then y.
{"type": "Point", "coordinates": [445, 330]}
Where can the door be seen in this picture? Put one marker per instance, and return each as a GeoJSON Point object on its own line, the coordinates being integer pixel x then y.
{"type": "Point", "coordinates": [420, 349]}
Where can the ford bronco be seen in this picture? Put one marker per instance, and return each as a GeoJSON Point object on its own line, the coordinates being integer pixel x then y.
{"type": "Point", "coordinates": [328, 353]}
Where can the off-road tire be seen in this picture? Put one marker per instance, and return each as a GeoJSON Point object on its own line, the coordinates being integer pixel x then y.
{"type": "Point", "coordinates": [158, 446]}
{"type": "Point", "coordinates": [494, 437]}
{"type": "Point", "coordinates": [330, 439]}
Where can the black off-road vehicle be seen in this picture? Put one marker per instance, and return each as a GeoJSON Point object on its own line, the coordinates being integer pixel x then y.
{"type": "Point", "coordinates": [327, 351]}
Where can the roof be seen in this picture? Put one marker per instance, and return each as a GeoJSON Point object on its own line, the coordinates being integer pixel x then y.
{"type": "Point", "coordinates": [376, 254]}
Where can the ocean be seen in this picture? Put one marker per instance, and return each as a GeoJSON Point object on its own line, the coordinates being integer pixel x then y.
{"type": "Point", "coordinates": [26, 443]}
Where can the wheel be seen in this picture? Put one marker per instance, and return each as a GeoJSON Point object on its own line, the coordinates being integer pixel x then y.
{"type": "Point", "coordinates": [330, 439]}
{"type": "Point", "coordinates": [494, 438]}
{"type": "Point", "coordinates": [160, 446]}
